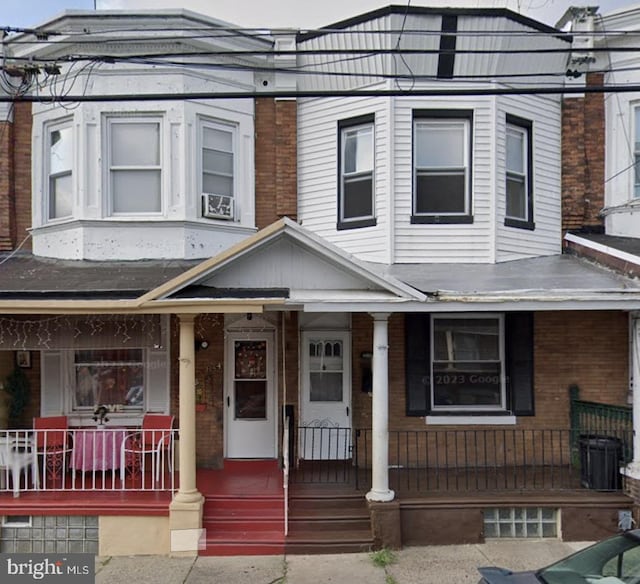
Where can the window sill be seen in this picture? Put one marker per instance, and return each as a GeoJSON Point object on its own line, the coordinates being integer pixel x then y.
{"type": "Point", "coordinates": [520, 224]}
{"type": "Point", "coordinates": [341, 226]}
{"type": "Point", "coordinates": [471, 420]}
{"type": "Point", "coordinates": [441, 219]}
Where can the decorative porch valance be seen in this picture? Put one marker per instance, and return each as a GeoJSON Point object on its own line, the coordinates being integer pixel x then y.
{"type": "Point", "coordinates": [81, 332]}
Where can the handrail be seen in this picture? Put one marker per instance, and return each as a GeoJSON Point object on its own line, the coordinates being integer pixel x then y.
{"type": "Point", "coordinates": [285, 473]}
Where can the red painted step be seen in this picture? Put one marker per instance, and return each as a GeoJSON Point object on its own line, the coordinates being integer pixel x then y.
{"type": "Point", "coordinates": [244, 510]}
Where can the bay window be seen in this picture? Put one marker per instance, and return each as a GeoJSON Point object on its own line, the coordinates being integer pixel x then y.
{"type": "Point", "coordinates": [519, 180]}
{"type": "Point", "coordinates": [60, 171]}
{"type": "Point", "coordinates": [135, 177]}
{"type": "Point", "coordinates": [442, 166]}
{"type": "Point", "coordinates": [356, 169]}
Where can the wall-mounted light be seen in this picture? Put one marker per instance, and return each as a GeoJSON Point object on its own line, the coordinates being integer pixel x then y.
{"type": "Point", "coordinates": [201, 345]}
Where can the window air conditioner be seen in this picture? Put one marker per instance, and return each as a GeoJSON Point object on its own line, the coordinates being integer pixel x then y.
{"type": "Point", "coordinates": [217, 206]}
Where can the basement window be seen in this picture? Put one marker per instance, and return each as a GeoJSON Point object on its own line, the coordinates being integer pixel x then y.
{"type": "Point", "coordinates": [16, 521]}
{"type": "Point", "coordinates": [521, 522]}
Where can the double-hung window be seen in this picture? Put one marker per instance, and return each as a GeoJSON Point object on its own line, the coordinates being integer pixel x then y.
{"type": "Point", "coordinates": [467, 363]}
{"type": "Point", "coordinates": [217, 180]}
{"type": "Point", "coordinates": [356, 170]}
{"type": "Point", "coordinates": [442, 166]}
{"type": "Point", "coordinates": [519, 183]}
{"type": "Point", "coordinates": [135, 173]}
{"type": "Point", "coordinates": [60, 171]}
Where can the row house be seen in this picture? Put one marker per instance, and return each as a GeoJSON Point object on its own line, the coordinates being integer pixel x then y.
{"type": "Point", "coordinates": [319, 292]}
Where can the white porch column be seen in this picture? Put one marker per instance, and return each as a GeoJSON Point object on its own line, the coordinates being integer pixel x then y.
{"type": "Point", "coordinates": [380, 412]}
{"type": "Point", "coordinates": [185, 516]}
{"type": "Point", "coordinates": [632, 470]}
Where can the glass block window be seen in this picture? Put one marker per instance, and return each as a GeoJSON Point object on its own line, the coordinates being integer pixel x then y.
{"type": "Point", "coordinates": [521, 522]}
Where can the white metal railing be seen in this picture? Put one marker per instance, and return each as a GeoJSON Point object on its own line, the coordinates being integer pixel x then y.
{"type": "Point", "coordinates": [285, 473]}
{"type": "Point", "coordinates": [87, 459]}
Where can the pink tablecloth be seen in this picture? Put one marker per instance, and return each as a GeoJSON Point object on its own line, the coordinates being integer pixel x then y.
{"type": "Point", "coordinates": [97, 449]}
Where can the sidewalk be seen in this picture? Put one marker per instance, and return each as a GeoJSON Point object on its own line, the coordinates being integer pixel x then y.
{"type": "Point", "coordinates": [454, 564]}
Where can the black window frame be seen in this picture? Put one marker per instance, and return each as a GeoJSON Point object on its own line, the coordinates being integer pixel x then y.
{"type": "Point", "coordinates": [443, 218]}
{"type": "Point", "coordinates": [526, 126]}
{"type": "Point", "coordinates": [346, 124]}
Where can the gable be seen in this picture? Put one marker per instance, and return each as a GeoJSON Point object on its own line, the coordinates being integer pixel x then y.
{"type": "Point", "coordinates": [284, 264]}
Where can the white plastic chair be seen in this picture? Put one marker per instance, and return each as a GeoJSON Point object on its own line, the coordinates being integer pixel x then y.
{"type": "Point", "coordinates": [17, 454]}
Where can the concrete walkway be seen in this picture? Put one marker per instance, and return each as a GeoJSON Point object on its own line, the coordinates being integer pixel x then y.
{"type": "Point", "coordinates": [455, 564]}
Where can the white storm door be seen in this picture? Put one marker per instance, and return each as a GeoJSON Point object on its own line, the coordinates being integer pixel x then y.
{"type": "Point", "coordinates": [250, 396]}
{"type": "Point", "coordinates": [325, 432]}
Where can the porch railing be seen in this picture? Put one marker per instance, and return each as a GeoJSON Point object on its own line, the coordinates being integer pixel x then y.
{"type": "Point", "coordinates": [109, 459]}
{"type": "Point", "coordinates": [480, 460]}
{"type": "Point", "coordinates": [598, 419]}
{"type": "Point", "coordinates": [285, 472]}
{"type": "Point", "coordinates": [324, 455]}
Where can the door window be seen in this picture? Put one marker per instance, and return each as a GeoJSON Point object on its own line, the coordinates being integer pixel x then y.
{"type": "Point", "coordinates": [250, 383]}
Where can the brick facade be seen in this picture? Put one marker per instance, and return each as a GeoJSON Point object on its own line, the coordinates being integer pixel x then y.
{"type": "Point", "coordinates": [583, 146]}
{"type": "Point", "coordinates": [276, 155]}
{"type": "Point", "coordinates": [560, 358]}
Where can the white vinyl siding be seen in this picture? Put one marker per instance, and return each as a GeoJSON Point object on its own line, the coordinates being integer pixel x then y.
{"type": "Point", "coordinates": [442, 243]}
{"type": "Point", "coordinates": [545, 239]}
{"type": "Point", "coordinates": [318, 172]}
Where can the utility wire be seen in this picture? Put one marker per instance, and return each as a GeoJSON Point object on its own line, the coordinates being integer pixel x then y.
{"type": "Point", "coordinates": [355, 93]}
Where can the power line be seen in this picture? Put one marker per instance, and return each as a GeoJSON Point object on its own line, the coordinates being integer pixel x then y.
{"type": "Point", "coordinates": [355, 93]}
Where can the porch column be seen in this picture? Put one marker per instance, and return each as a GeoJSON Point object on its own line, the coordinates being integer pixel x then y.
{"type": "Point", "coordinates": [185, 516]}
{"type": "Point", "coordinates": [632, 470]}
{"type": "Point", "coordinates": [380, 412]}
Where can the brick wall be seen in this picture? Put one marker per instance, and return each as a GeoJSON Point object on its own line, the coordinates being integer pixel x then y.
{"type": "Point", "coordinates": [22, 130]}
{"type": "Point", "coordinates": [276, 160]}
{"type": "Point", "coordinates": [15, 178]}
{"type": "Point", "coordinates": [583, 129]}
{"type": "Point", "coordinates": [589, 349]}
{"type": "Point", "coordinates": [7, 199]}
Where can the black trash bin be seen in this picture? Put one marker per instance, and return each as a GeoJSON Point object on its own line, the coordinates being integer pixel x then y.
{"type": "Point", "coordinates": [600, 458]}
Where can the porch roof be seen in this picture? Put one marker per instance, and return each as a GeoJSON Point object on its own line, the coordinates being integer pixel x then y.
{"type": "Point", "coordinates": [27, 276]}
{"type": "Point", "coordinates": [549, 275]}
{"type": "Point", "coordinates": [554, 282]}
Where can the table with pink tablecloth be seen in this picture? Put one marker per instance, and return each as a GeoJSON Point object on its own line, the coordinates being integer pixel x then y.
{"type": "Point", "coordinates": [97, 449]}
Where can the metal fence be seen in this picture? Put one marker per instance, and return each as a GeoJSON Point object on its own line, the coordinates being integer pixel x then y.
{"type": "Point", "coordinates": [96, 459]}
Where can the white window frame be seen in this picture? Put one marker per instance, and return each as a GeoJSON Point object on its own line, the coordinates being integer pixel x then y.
{"type": "Point", "coordinates": [346, 177]}
{"type": "Point", "coordinates": [72, 385]}
{"type": "Point", "coordinates": [58, 125]}
{"type": "Point", "coordinates": [501, 347]}
{"type": "Point", "coordinates": [425, 122]}
{"type": "Point", "coordinates": [636, 153]}
{"type": "Point", "coordinates": [110, 121]}
{"type": "Point", "coordinates": [519, 176]}
{"type": "Point", "coordinates": [204, 123]}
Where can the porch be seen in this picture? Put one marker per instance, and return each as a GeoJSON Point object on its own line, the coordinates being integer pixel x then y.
{"type": "Point", "coordinates": [246, 511]}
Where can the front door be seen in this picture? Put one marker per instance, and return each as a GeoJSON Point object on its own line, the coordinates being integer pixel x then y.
{"type": "Point", "coordinates": [325, 432]}
{"type": "Point", "coordinates": [250, 396]}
